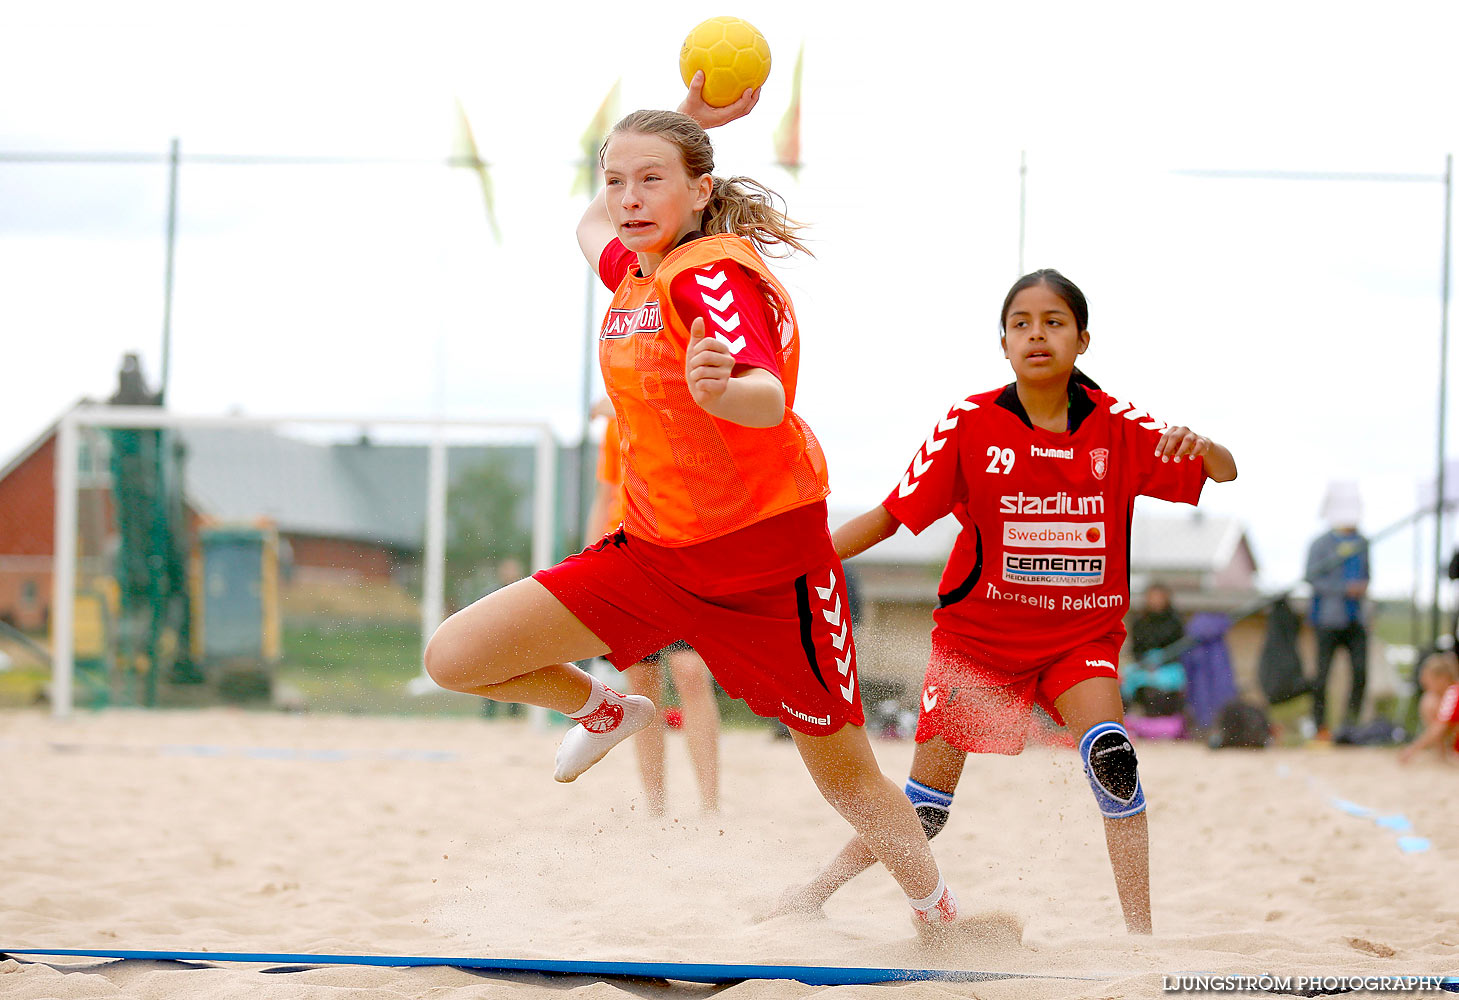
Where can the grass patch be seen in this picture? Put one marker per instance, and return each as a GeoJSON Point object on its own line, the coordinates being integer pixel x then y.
{"type": "Point", "coordinates": [351, 665]}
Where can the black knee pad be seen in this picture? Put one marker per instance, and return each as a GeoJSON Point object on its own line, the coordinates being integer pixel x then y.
{"type": "Point", "coordinates": [933, 818]}
{"type": "Point", "coordinates": [932, 806]}
{"type": "Point", "coordinates": [1111, 767]}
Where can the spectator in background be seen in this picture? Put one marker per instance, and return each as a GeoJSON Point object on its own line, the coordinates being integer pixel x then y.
{"type": "Point", "coordinates": [1438, 709]}
{"type": "Point", "coordinates": [1156, 680]}
{"type": "Point", "coordinates": [1337, 569]}
{"type": "Point", "coordinates": [1158, 626]}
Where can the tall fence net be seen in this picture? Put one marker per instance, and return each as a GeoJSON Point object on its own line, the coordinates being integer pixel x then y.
{"type": "Point", "coordinates": [298, 562]}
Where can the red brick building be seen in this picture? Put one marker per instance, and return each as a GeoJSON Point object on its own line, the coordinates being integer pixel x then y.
{"type": "Point", "coordinates": [327, 505]}
{"type": "Point", "coordinates": [27, 534]}
{"type": "Point", "coordinates": [347, 512]}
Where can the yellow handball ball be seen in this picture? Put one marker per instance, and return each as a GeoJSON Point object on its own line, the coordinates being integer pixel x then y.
{"type": "Point", "coordinates": [733, 55]}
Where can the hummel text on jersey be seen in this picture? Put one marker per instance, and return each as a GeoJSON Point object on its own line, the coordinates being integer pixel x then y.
{"type": "Point", "coordinates": [815, 720]}
{"type": "Point", "coordinates": [1059, 503]}
{"type": "Point", "coordinates": [1055, 570]}
{"type": "Point", "coordinates": [1038, 452]}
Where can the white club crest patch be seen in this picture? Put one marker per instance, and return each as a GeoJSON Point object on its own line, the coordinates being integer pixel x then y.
{"type": "Point", "coordinates": [1099, 462]}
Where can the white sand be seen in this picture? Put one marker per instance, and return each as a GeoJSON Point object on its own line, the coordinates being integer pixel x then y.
{"type": "Point", "coordinates": [109, 839]}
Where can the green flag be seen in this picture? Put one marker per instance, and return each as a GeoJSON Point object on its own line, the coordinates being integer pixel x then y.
{"type": "Point", "coordinates": [592, 139]}
{"type": "Point", "coordinates": [465, 153]}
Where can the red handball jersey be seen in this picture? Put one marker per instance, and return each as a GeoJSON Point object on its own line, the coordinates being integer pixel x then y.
{"type": "Point", "coordinates": [1041, 565]}
{"type": "Point", "coordinates": [1449, 710]}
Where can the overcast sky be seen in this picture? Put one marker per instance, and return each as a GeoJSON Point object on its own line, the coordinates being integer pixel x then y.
{"type": "Point", "coordinates": [1296, 322]}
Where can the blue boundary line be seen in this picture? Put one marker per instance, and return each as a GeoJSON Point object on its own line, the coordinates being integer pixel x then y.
{"type": "Point", "coordinates": [686, 972]}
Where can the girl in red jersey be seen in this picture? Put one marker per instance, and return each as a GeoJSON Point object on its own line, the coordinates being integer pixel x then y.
{"type": "Point", "coordinates": [1042, 475]}
{"type": "Point", "coordinates": [724, 543]}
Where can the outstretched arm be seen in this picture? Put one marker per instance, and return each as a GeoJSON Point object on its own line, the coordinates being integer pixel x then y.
{"type": "Point", "coordinates": [1433, 736]}
{"type": "Point", "coordinates": [863, 531]}
{"type": "Point", "coordinates": [1178, 442]}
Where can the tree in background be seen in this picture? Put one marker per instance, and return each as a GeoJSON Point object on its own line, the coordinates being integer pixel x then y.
{"type": "Point", "coordinates": [488, 535]}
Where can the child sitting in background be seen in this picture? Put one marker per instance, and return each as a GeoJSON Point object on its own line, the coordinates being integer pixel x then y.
{"type": "Point", "coordinates": [1438, 708]}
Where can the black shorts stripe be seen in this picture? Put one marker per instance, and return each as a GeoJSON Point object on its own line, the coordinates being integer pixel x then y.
{"type": "Point", "coordinates": [807, 640]}
{"type": "Point", "coordinates": [966, 587]}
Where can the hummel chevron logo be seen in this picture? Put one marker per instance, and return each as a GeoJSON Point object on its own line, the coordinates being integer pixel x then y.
{"type": "Point", "coordinates": [930, 447]}
{"type": "Point", "coordinates": [729, 325]}
{"type": "Point", "coordinates": [834, 617]}
{"type": "Point", "coordinates": [722, 303]}
{"type": "Point", "coordinates": [839, 641]}
{"type": "Point", "coordinates": [733, 345]}
{"type": "Point", "coordinates": [826, 591]}
{"type": "Point", "coordinates": [714, 282]}
{"type": "Point", "coordinates": [929, 699]}
{"type": "Point", "coordinates": [1130, 412]}
{"type": "Point", "coordinates": [848, 689]}
{"type": "Point", "coordinates": [843, 665]}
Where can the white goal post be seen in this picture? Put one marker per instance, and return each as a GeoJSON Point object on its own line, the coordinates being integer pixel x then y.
{"type": "Point", "coordinates": [67, 486]}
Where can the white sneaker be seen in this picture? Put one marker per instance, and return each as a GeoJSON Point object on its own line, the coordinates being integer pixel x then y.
{"type": "Point", "coordinates": [590, 740]}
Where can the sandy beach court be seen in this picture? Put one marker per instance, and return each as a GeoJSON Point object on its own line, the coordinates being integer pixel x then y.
{"type": "Point", "coordinates": [230, 831]}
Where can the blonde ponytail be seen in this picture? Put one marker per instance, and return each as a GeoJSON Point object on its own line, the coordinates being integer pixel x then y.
{"type": "Point", "coordinates": [744, 207]}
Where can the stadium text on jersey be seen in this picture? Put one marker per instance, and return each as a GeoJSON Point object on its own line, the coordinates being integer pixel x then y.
{"type": "Point", "coordinates": [1059, 503]}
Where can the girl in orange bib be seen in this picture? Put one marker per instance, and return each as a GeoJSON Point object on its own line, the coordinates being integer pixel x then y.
{"type": "Point", "coordinates": [724, 542]}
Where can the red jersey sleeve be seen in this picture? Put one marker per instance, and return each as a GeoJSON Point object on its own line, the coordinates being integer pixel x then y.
{"type": "Point", "coordinates": [1449, 705]}
{"type": "Point", "coordinates": [733, 309]}
{"type": "Point", "coordinates": [934, 483]}
{"type": "Point", "coordinates": [1178, 482]}
{"type": "Point", "coordinates": [614, 262]}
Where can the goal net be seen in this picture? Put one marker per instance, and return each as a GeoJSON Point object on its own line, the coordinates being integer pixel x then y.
{"type": "Point", "coordinates": [299, 560]}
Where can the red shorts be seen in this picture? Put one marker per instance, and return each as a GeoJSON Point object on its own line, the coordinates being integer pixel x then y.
{"type": "Point", "coordinates": [981, 709]}
{"type": "Point", "coordinates": [785, 650]}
